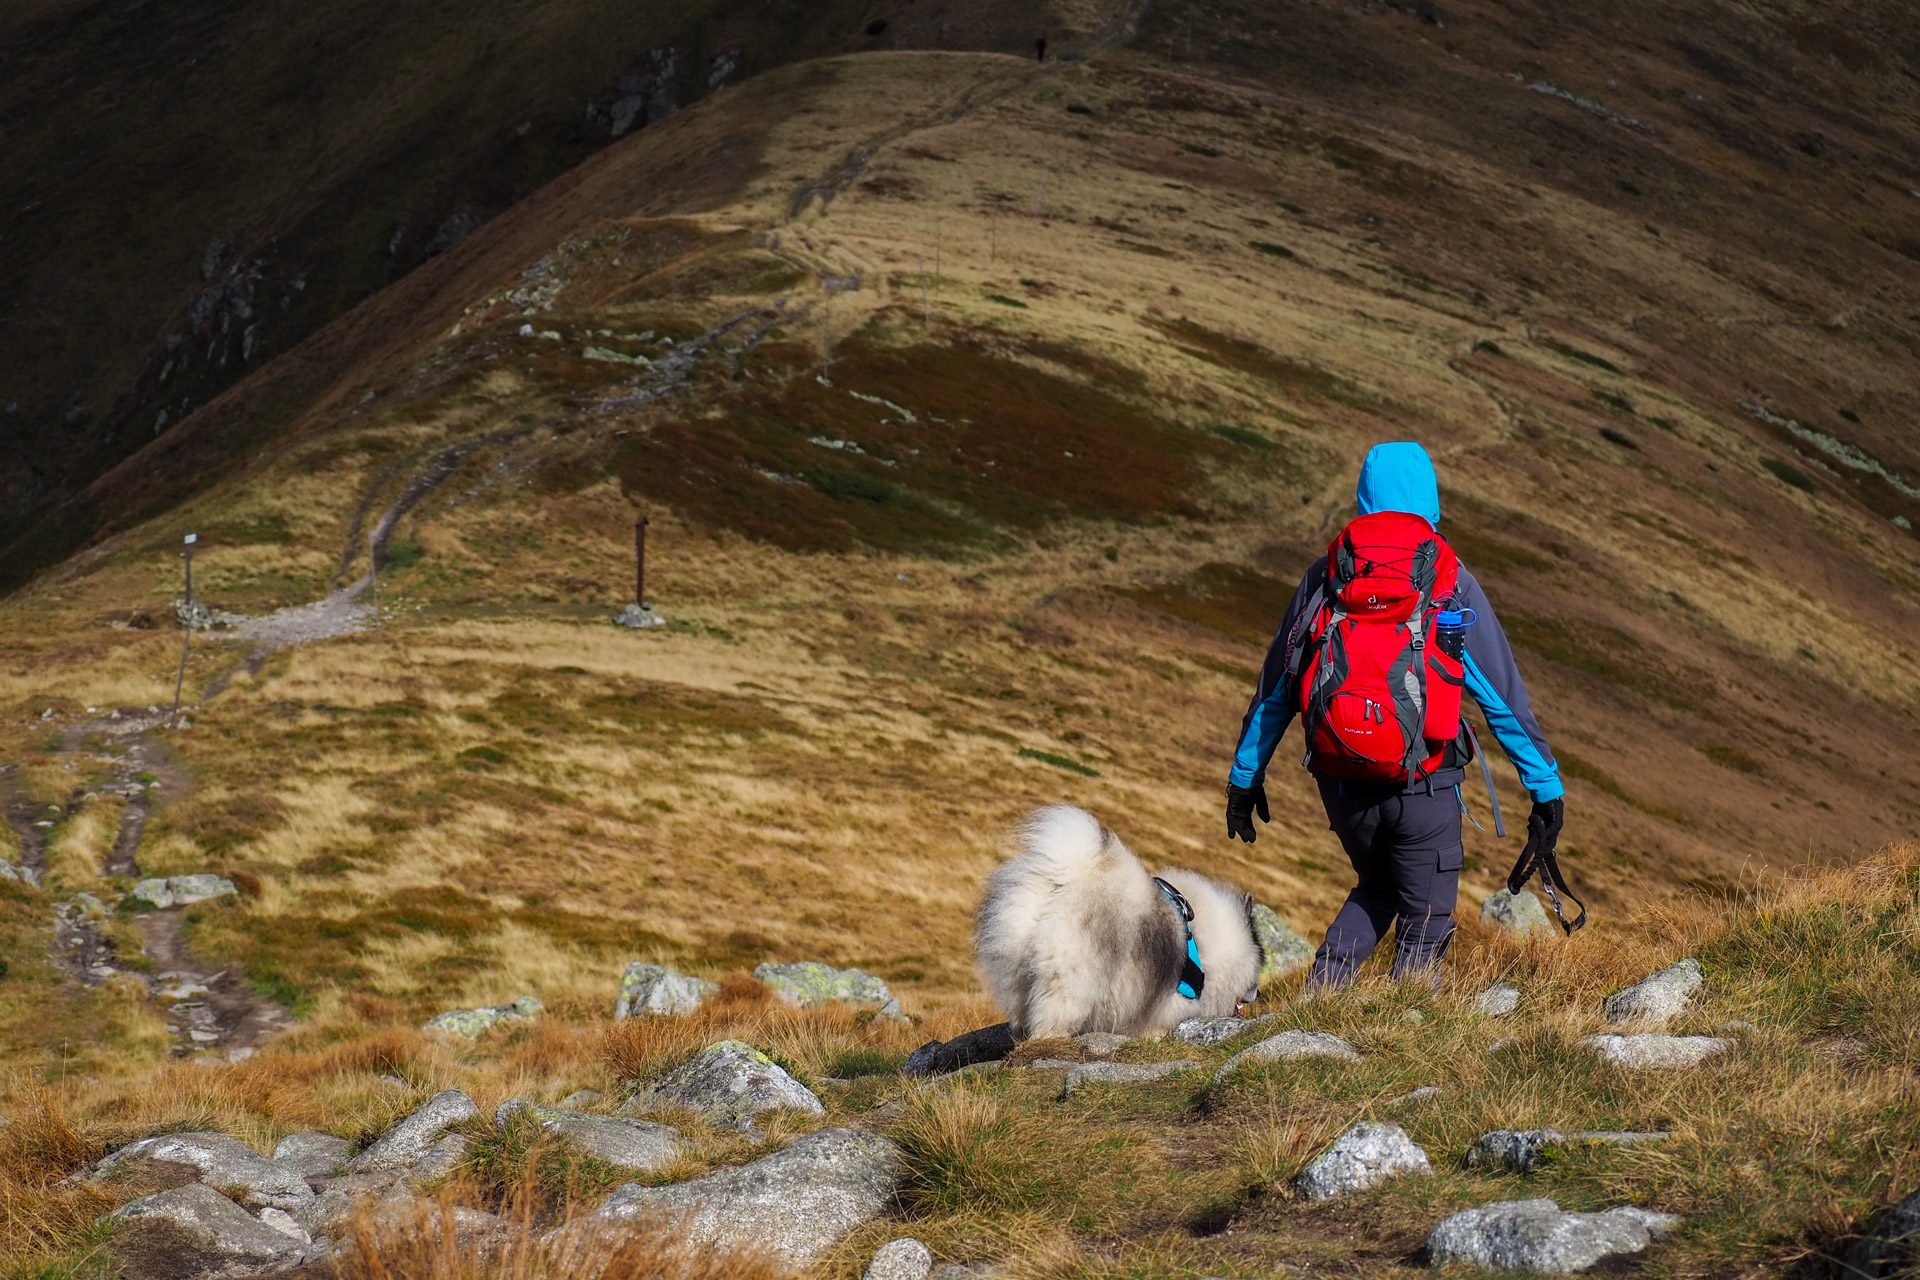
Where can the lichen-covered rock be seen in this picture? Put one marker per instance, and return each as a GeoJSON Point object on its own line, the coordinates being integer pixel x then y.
{"type": "Point", "coordinates": [794, 1204]}
{"type": "Point", "coordinates": [730, 1083]}
{"type": "Point", "coordinates": [221, 1161]}
{"type": "Point", "coordinates": [408, 1142]}
{"type": "Point", "coordinates": [1519, 913]}
{"type": "Point", "coordinates": [1651, 1051]}
{"type": "Point", "coordinates": [1285, 949]}
{"type": "Point", "coordinates": [313, 1155]}
{"type": "Point", "coordinates": [1120, 1073]}
{"type": "Point", "coordinates": [1498, 1000]}
{"type": "Point", "coordinates": [1206, 1031]}
{"type": "Point", "coordinates": [988, 1044]}
{"type": "Point", "coordinates": [21, 875]}
{"type": "Point", "coordinates": [1534, 1235]}
{"type": "Point", "coordinates": [1288, 1045]}
{"type": "Point", "coordinates": [1101, 1044]}
{"type": "Point", "coordinates": [902, 1259]}
{"type": "Point", "coordinates": [639, 1145]}
{"type": "Point", "coordinates": [178, 891]}
{"type": "Point", "coordinates": [472, 1023]}
{"type": "Point", "coordinates": [1658, 999]}
{"type": "Point", "coordinates": [437, 1161]}
{"type": "Point", "coordinates": [224, 1238]}
{"type": "Point", "coordinates": [808, 982]}
{"type": "Point", "coordinates": [656, 989]}
{"type": "Point", "coordinates": [282, 1221]}
{"type": "Point", "coordinates": [639, 617]}
{"type": "Point", "coordinates": [1521, 1149]}
{"type": "Point", "coordinates": [1890, 1246]}
{"type": "Point", "coordinates": [1366, 1155]}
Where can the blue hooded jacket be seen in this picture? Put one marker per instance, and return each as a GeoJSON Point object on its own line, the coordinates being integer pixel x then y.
{"type": "Point", "coordinates": [1400, 477]}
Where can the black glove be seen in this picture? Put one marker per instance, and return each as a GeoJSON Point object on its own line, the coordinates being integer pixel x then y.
{"type": "Point", "coordinates": [1241, 804]}
{"type": "Point", "coordinates": [1543, 838]}
{"type": "Point", "coordinates": [1543, 831]}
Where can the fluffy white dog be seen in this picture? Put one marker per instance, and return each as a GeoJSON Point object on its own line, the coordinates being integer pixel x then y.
{"type": "Point", "coordinates": [1073, 935]}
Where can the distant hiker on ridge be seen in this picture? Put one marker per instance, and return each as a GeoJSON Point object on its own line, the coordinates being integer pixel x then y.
{"type": "Point", "coordinates": [1383, 634]}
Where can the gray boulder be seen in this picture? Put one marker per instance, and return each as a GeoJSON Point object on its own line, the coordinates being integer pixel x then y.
{"type": "Point", "coordinates": [652, 988]}
{"type": "Point", "coordinates": [222, 1162]}
{"type": "Point", "coordinates": [934, 1058]}
{"type": "Point", "coordinates": [1287, 1046]}
{"type": "Point", "coordinates": [1102, 1044]}
{"type": "Point", "coordinates": [639, 1145]}
{"type": "Point", "coordinates": [730, 1083]}
{"type": "Point", "coordinates": [794, 1204]}
{"type": "Point", "coordinates": [1522, 1149]}
{"type": "Point", "coordinates": [223, 1238]}
{"type": "Point", "coordinates": [1498, 1000]}
{"type": "Point", "coordinates": [902, 1259]}
{"type": "Point", "coordinates": [1208, 1031]}
{"type": "Point", "coordinates": [1364, 1156]}
{"type": "Point", "coordinates": [437, 1161]}
{"type": "Point", "coordinates": [408, 1142]}
{"type": "Point", "coordinates": [1285, 949]}
{"type": "Point", "coordinates": [1659, 999]}
{"type": "Point", "coordinates": [808, 982]}
{"type": "Point", "coordinates": [178, 891]}
{"type": "Point", "coordinates": [1519, 913]}
{"type": "Point", "coordinates": [1534, 1235]}
{"type": "Point", "coordinates": [471, 1023]}
{"type": "Point", "coordinates": [1120, 1073]}
{"type": "Point", "coordinates": [1650, 1051]}
{"type": "Point", "coordinates": [313, 1155]}
{"type": "Point", "coordinates": [1890, 1246]}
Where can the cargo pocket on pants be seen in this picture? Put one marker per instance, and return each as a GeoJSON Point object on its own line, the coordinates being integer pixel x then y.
{"type": "Point", "coordinates": [1452, 859]}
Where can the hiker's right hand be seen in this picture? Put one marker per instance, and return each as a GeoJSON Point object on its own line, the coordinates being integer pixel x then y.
{"type": "Point", "coordinates": [1241, 805]}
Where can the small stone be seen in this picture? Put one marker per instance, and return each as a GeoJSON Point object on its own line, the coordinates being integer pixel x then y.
{"type": "Point", "coordinates": [808, 982]}
{"type": "Point", "coordinates": [794, 1204]}
{"type": "Point", "coordinates": [1653, 1051]}
{"type": "Point", "coordinates": [178, 891]}
{"type": "Point", "coordinates": [655, 989]}
{"type": "Point", "coordinates": [638, 617]}
{"type": "Point", "coordinates": [1283, 948]}
{"type": "Point", "coordinates": [1519, 913]}
{"type": "Point", "coordinates": [1890, 1245]}
{"type": "Point", "coordinates": [1364, 1156]}
{"type": "Point", "coordinates": [1535, 1235]}
{"type": "Point", "coordinates": [902, 1259]}
{"type": "Point", "coordinates": [1659, 999]}
{"type": "Point", "coordinates": [1498, 1000]}
{"type": "Point", "coordinates": [639, 1145]}
{"type": "Point", "coordinates": [313, 1155]}
{"type": "Point", "coordinates": [1101, 1044]}
{"type": "Point", "coordinates": [282, 1221]}
{"type": "Point", "coordinates": [730, 1083]}
{"type": "Point", "coordinates": [470, 1024]}
{"type": "Point", "coordinates": [221, 1161]}
{"type": "Point", "coordinates": [225, 1237]}
{"type": "Point", "coordinates": [1288, 1045]}
{"type": "Point", "coordinates": [988, 1044]}
{"type": "Point", "coordinates": [1120, 1073]}
{"type": "Point", "coordinates": [409, 1141]}
{"type": "Point", "coordinates": [1424, 1093]}
{"type": "Point", "coordinates": [1522, 1149]}
{"type": "Point", "coordinates": [1501, 1045]}
{"type": "Point", "coordinates": [1413, 1017]}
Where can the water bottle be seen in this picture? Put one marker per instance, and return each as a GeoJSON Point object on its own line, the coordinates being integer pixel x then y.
{"type": "Point", "coordinates": [1450, 632]}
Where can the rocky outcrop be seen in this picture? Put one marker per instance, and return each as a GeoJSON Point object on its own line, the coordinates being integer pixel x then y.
{"type": "Point", "coordinates": [639, 1145]}
{"type": "Point", "coordinates": [1286, 1046]}
{"type": "Point", "coordinates": [934, 1058]}
{"type": "Point", "coordinates": [210, 1234]}
{"type": "Point", "coordinates": [1364, 1156]}
{"type": "Point", "coordinates": [808, 982]}
{"type": "Point", "coordinates": [1535, 1235]}
{"type": "Point", "coordinates": [1658, 999]}
{"type": "Point", "coordinates": [902, 1259]}
{"type": "Point", "coordinates": [221, 1161]}
{"type": "Point", "coordinates": [794, 1204]}
{"type": "Point", "coordinates": [1519, 913]}
{"type": "Point", "coordinates": [470, 1024]}
{"type": "Point", "coordinates": [1285, 950]}
{"type": "Point", "coordinates": [651, 988]}
{"type": "Point", "coordinates": [1522, 1149]}
{"type": "Point", "coordinates": [730, 1083]}
{"type": "Point", "coordinates": [313, 1155]}
{"type": "Point", "coordinates": [1650, 1051]}
{"type": "Point", "coordinates": [1120, 1073]}
{"type": "Point", "coordinates": [178, 891]}
{"type": "Point", "coordinates": [408, 1143]}
{"type": "Point", "coordinates": [1207, 1031]}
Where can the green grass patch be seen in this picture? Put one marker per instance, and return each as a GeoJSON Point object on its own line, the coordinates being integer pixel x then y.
{"type": "Point", "coordinates": [1269, 248]}
{"type": "Point", "coordinates": [1058, 762]}
{"type": "Point", "coordinates": [1005, 301]}
{"type": "Point", "coordinates": [1735, 759]}
{"type": "Point", "coordinates": [1582, 357]}
{"type": "Point", "coordinates": [1788, 474]}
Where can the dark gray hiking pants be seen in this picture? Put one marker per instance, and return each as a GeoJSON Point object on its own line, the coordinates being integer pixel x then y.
{"type": "Point", "coordinates": [1406, 850]}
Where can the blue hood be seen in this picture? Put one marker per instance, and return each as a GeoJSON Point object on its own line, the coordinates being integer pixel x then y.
{"type": "Point", "coordinates": [1399, 477]}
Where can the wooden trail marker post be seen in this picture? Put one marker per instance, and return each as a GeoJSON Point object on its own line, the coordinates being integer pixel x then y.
{"type": "Point", "coordinates": [186, 638]}
{"type": "Point", "coordinates": [640, 560]}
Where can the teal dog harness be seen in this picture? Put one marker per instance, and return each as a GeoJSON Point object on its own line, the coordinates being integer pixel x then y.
{"type": "Point", "coordinates": [1193, 979]}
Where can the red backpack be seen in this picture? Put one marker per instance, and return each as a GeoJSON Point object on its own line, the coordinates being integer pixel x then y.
{"type": "Point", "coordinates": [1379, 702]}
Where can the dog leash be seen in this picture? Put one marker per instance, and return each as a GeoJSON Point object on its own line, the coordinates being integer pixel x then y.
{"type": "Point", "coordinates": [1193, 979]}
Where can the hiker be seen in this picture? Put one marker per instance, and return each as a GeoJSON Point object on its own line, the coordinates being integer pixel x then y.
{"type": "Point", "coordinates": [1040, 48]}
{"type": "Point", "coordinates": [1387, 748]}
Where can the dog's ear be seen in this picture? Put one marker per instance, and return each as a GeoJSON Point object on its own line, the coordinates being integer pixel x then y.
{"type": "Point", "coordinates": [1246, 901]}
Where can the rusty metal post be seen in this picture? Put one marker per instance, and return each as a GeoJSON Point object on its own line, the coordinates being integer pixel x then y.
{"type": "Point", "coordinates": [640, 560]}
{"type": "Point", "coordinates": [186, 635]}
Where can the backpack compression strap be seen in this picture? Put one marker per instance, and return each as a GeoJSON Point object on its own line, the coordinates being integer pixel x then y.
{"type": "Point", "coordinates": [1532, 858]}
{"type": "Point", "coordinates": [1193, 979]}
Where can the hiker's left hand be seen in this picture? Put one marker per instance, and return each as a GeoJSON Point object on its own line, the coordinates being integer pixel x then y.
{"type": "Point", "coordinates": [1543, 827]}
